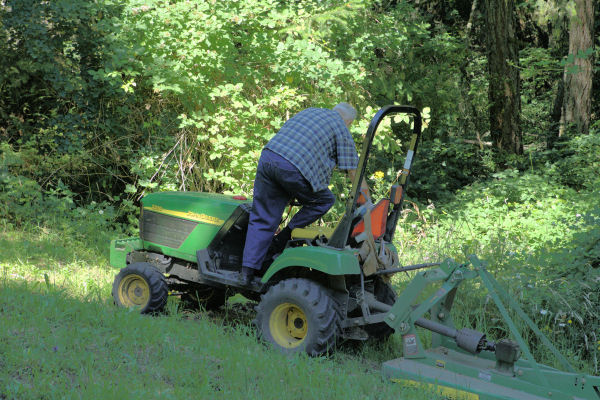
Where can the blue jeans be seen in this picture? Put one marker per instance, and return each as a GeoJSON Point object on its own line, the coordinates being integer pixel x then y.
{"type": "Point", "coordinates": [278, 182]}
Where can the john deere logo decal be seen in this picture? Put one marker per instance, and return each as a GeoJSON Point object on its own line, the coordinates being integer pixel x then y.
{"type": "Point", "coordinates": [207, 219]}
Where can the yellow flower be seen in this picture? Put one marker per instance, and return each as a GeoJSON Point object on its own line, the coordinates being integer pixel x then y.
{"type": "Point", "coordinates": [570, 322]}
{"type": "Point", "coordinates": [379, 175]}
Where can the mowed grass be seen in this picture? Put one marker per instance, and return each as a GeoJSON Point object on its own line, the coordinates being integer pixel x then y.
{"type": "Point", "coordinates": [62, 337]}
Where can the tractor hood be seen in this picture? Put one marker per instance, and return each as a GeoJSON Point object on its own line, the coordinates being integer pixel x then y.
{"type": "Point", "coordinates": [206, 208]}
{"type": "Point", "coordinates": [177, 224]}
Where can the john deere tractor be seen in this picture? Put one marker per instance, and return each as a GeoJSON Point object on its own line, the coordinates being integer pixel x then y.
{"type": "Point", "coordinates": [333, 284]}
{"type": "Point", "coordinates": [326, 283]}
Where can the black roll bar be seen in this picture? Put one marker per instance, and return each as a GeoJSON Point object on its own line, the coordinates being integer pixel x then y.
{"type": "Point", "coordinates": [340, 235]}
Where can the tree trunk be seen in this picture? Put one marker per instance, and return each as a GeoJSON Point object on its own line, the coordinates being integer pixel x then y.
{"type": "Point", "coordinates": [559, 45]}
{"type": "Point", "coordinates": [504, 81]}
{"type": "Point", "coordinates": [578, 76]}
{"type": "Point", "coordinates": [468, 116]}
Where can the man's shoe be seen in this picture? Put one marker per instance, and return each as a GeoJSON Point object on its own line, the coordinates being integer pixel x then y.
{"type": "Point", "coordinates": [280, 240]}
{"type": "Point", "coordinates": [247, 274]}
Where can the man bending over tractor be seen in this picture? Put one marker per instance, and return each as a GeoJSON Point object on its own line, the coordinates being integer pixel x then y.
{"type": "Point", "coordinates": [297, 164]}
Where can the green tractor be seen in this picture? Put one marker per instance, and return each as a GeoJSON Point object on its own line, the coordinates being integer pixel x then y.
{"type": "Point", "coordinates": [333, 284]}
{"type": "Point", "coordinates": [325, 285]}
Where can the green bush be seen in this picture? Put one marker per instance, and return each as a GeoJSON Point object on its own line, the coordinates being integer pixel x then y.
{"type": "Point", "coordinates": [512, 213]}
{"type": "Point", "coordinates": [542, 242]}
{"type": "Point", "coordinates": [117, 99]}
{"type": "Point", "coordinates": [575, 162]}
{"type": "Point", "coordinates": [26, 204]}
{"type": "Point", "coordinates": [443, 166]}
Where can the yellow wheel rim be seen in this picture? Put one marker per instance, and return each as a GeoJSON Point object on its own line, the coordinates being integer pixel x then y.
{"type": "Point", "coordinates": [288, 325]}
{"type": "Point", "coordinates": [134, 291]}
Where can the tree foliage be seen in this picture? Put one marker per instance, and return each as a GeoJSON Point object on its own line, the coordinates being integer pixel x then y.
{"type": "Point", "coordinates": [183, 95]}
{"type": "Point", "coordinates": [113, 99]}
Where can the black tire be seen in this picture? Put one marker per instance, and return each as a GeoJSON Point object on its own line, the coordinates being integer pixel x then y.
{"type": "Point", "coordinates": [384, 292]}
{"type": "Point", "coordinates": [140, 285]}
{"type": "Point", "coordinates": [208, 297]}
{"type": "Point", "coordinates": [298, 315]}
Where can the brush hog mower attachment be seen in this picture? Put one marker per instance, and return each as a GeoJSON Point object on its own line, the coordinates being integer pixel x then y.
{"type": "Point", "coordinates": [464, 364]}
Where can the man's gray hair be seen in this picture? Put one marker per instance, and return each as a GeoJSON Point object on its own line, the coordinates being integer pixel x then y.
{"type": "Point", "coordinates": [347, 112]}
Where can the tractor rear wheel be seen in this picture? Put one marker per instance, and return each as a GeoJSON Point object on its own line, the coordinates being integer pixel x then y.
{"type": "Point", "coordinates": [384, 292]}
{"type": "Point", "coordinates": [208, 297]}
{"type": "Point", "coordinates": [142, 286]}
{"type": "Point", "coordinates": [298, 315]}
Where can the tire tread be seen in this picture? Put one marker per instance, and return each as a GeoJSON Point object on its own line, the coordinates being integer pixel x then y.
{"type": "Point", "coordinates": [313, 295]}
{"type": "Point", "coordinates": [157, 284]}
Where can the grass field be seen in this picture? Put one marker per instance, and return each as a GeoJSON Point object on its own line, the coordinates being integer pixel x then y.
{"type": "Point", "coordinates": [61, 337]}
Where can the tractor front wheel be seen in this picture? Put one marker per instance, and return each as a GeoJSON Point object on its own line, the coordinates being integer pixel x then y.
{"type": "Point", "coordinates": [298, 315]}
{"type": "Point", "coordinates": [142, 286]}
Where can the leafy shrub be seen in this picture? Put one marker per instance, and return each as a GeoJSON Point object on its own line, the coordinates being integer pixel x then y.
{"type": "Point", "coordinates": [513, 213]}
{"type": "Point", "coordinates": [52, 104]}
{"type": "Point", "coordinates": [576, 161]}
{"type": "Point", "coordinates": [26, 204]}
{"type": "Point", "coordinates": [443, 166]}
{"type": "Point", "coordinates": [542, 242]}
{"type": "Point", "coordinates": [156, 95]}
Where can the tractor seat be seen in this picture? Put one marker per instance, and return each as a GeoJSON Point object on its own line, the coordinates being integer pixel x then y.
{"type": "Point", "coordinates": [312, 232]}
{"type": "Point", "coordinates": [378, 222]}
{"type": "Point", "coordinates": [379, 214]}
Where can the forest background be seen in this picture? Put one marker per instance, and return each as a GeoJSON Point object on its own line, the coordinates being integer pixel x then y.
{"type": "Point", "coordinates": [104, 101]}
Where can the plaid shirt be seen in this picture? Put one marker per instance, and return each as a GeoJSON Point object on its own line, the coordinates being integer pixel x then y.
{"type": "Point", "coordinates": [315, 140]}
